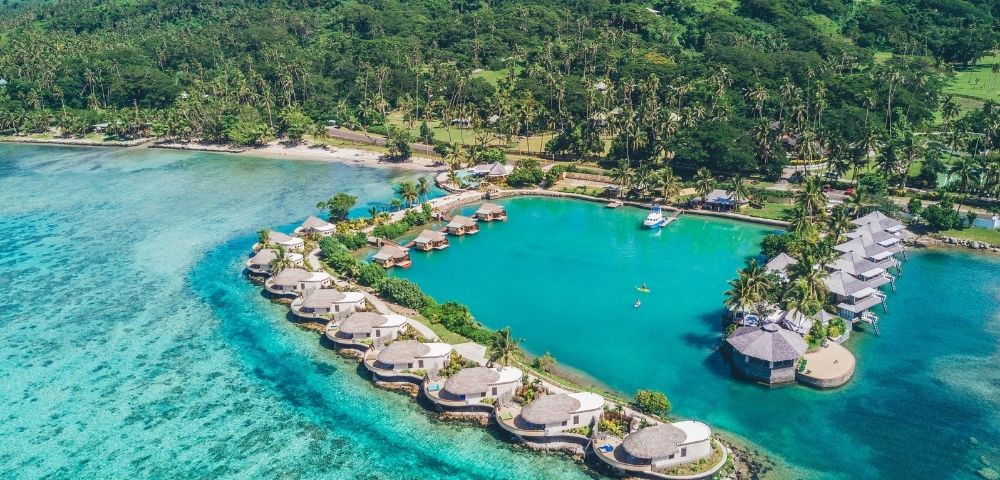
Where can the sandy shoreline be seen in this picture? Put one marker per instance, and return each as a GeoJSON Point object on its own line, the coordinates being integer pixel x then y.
{"type": "Point", "coordinates": [274, 150]}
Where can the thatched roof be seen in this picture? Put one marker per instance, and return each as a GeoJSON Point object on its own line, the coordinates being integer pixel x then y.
{"type": "Point", "coordinates": [427, 236]}
{"type": "Point", "coordinates": [390, 251]}
{"type": "Point", "coordinates": [843, 284]}
{"type": "Point", "coordinates": [278, 237]}
{"type": "Point", "coordinates": [321, 297]}
{"type": "Point", "coordinates": [403, 351]}
{"type": "Point", "coordinates": [769, 342]}
{"type": "Point", "coordinates": [263, 257]}
{"type": "Point", "coordinates": [314, 222]}
{"type": "Point", "coordinates": [469, 381]}
{"type": "Point", "coordinates": [291, 276]}
{"type": "Point", "coordinates": [488, 208]}
{"type": "Point", "coordinates": [879, 220]}
{"type": "Point", "coordinates": [460, 221]}
{"type": "Point", "coordinates": [362, 322]}
{"type": "Point", "coordinates": [654, 442]}
{"type": "Point", "coordinates": [498, 170]}
{"type": "Point", "coordinates": [550, 409]}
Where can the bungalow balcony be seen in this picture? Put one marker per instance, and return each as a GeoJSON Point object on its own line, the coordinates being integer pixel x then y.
{"type": "Point", "coordinates": [509, 419]}
{"type": "Point", "coordinates": [386, 372]}
{"type": "Point", "coordinates": [609, 451]}
{"type": "Point", "coordinates": [855, 305]}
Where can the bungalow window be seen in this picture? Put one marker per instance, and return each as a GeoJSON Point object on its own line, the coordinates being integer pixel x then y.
{"type": "Point", "coordinates": [684, 452]}
{"type": "Point", "coordinates": [671, 457]}
{"type": "Point", "coordinates": [564, 423]}
{"type": "Point", "coordinates": [494, 390]}
{"type": "Point", "coordinates": [378, 333]}
{"type": "Point", "coordinates": [576, 419]}
{"type": "Point", "coordinates": [420, 364]}
{"type": "Point", "coordinates": [409, 365]}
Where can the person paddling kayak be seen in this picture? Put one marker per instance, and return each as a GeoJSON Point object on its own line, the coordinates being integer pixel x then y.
{"type": "Point", "coordinates": [637, 303]}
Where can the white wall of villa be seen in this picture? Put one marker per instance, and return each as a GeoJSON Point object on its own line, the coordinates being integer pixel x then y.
{"type": "Point", "coordinates": [391, 329]}
{"type": "Point", "coordinates": [435, 359]}
{"type": "Point", "coordinates": [591, 408]}
{"type": "Point", "coordinates": [696, 446]}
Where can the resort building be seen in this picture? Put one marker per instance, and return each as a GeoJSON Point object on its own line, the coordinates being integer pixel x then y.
{"type": "Point", "coordinates": [720, 201]}
{"type": "Point", "coordinates": [316, 226]}
{"type": "Point", "coordinates": [366, 327]}
{"type": "Point", "coordinates": [393, 256]}
{"type": "Point", "coordinates": [291, 281]}
{"type": "Point", "coordinates": [493, 171]}
{"type": "Point", "coordinates": [462, 225]}
{"type": "Point", "coordinates": [853, 297]}
{"type": "Point", "coordinates": [659, 447]}
{"type": "Point", "coordinates": [861, 268]}
{"type": "Point", "coordinates": [553, 415]}
{"type": "Point", "coordinates": [403, 355]}
{"type": "Point", "coordinates": [288, 242]}
{"type": "Point", "coordinates": [780, 263]}
{"type": "Point", "coordinates": [489, 212]}
{"type": "Point", "coordinates": [431, 240]}
{"type": "Point", "coordinates": [799, 322]}
{"type": "Point", "coordinates": [766, 353]}
{"type": "Point", "coordinates": [327, 302]}
{"type": "Point", "coordinates": [473, 385]}
{"type": "Point", "coordinates": [260, 263]}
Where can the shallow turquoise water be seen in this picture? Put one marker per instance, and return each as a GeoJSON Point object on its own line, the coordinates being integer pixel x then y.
{"type": "Point", "coordinates": [132, 347]}
{"type": "Point", "coordinates": [562, 274]}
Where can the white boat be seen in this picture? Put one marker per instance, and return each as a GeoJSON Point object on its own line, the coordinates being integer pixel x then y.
{"type": "Point", "coordinates": [655, 218]}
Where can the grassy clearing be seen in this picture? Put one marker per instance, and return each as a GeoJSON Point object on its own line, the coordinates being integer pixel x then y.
{"type": "Point", "coordinates": [978, 81]}
{"type": "Point", "coordinates": [467, 136]}
{"type": "Point", "coordinates": [771, 211]}
{"type": "Point", "coordinates": [494, 76]}
{"type": "Point", "coordinates": [976, 234]}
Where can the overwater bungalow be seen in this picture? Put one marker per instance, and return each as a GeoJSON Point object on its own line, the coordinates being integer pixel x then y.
{"type": "Point", "coordinates": [362, 329]}
{"type": "Point", "coordinates": [880, 221]}
{"type": "Point", "coordinates": [861, 268]}
{"type": "Point", "coordinates": [260, 263]}
{"type": "Point", "coordinates": [470, 387]}
{"type": "Point", "coordinates": [548, 418]}
{"type": "Point", "coordinates": [316, 226]}
{"type": "Point", "coordinates": [291, 281]}
{"type": "Point", "coordinates": [853, 297]}
{"type": "Point", "coordinates": [721, 201]}
{"type": "Point", "coordinates": [431, 240]}
{"type": "Point", "coordinates": [766, 353]}
{"type": "Point", "coordinates": [489, 212]}
{"type": "Point", "coordinates": [393, 256]}
{"type": "Point", "coordinates": [883, 256]}
{"type": "Point", "coordinates": [400, 360]}
{"type": "Point", "coordinates": [780, 263]}
{"type": "Point", "coordinates": [649, 451]}
{"type": "Point", "coordinates": [462, 225]}
{"type": "Point", "coordinates": [288, 242]}
{"type": "Point", "coordinates": [327, 303]}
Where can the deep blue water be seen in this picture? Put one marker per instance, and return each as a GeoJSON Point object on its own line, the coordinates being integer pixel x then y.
{"type": "Point", "coordinates": [132, 347]}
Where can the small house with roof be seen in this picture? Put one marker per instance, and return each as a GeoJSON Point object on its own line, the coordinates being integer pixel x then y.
{"type": "Point", "coordinates": [460, 225]}
{"type": "Point", "coordinates": [326, 302]}
{"type": "Point", "coordinates": [493, 171]}
{"type": "Point", "coordinates": [780, 263]}
{"type": "Point", "coordinates": [260, 263]}
{"type": "Point", "coordinates": [403, 355]}
{"type": "Point", "coordinates": [472, 385]}
{"type": "Point", "coordinates": [489, 212]}
{"type": "Point", "coordinates": [861, 268]}
{"type": "Point", "coordinates": [765, 353]}
{"type": "Point", "coordinates": [291, 281]}
{"type": "Point", "coordinates": [430, 240]}
{"type": "Point", "coordinates": [393, 256]}
{"type": "Point", "coordinates": [367, 325]}
{"type": "Point", "coordinates": [665, 445]}
{"type": "Point", "coordinates": [853, 297]}
{"type": "Point", "coordinates": [719, 200]}
{"type": "Point", "coordinates": [288, 242]}
{"type": "Point", "coordinates": [556, 413]}
{"type": "Point", "coordinates": [316, 226]}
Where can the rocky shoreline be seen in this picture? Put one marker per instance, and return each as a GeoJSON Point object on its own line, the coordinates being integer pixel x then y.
{"type": "Point", "coordinates": [941, 241]}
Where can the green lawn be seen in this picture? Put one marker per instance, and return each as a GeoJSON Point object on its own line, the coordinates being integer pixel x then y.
{"type": "Point", "coordinates": [987, 235]}
{"type": "Point", "coordinates": [493, 76]}
{"type": "Point", "coordinates": [771, 210]}
{"type": "Point", "coordinates": [978, 81]}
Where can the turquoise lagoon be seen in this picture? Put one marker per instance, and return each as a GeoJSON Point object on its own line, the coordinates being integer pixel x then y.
{"type": "Point", "coordinates": [133, 348]}
{"type": "Point", "coordinates": [563, 275]}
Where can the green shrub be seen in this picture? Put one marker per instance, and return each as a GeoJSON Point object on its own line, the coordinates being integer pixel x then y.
{"type": "Point", "coordinates": [652, 402]}
{"type": "Point", "coordinates": [370, 274]}
{"type": "Point", "coordinates": [352, 241]}
{"type": "Point", "coordinates": [403, 292]}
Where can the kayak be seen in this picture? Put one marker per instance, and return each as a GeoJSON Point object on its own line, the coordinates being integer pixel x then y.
{"type": "Point", "coordinates": [642, 289]}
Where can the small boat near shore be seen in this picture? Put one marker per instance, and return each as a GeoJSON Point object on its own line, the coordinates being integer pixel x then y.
{"type": "Point", "coordinates": [655, 218]}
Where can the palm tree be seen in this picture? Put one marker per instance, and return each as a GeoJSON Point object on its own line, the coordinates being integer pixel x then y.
{"type": "Point", "coordinates": [704, 182]}
{"type": "Point", "coordinates": [454, 179]}
{"type": "Point", "coordinates": [408, 192]}
{"type": "Point", "coordinates": [263, 237]}
{"type": "Point", "coordinates": [739, 297]}
{"type": "Point", "coordinates": [668, 183]}
{"type": "Point", "coordinates": [857, 204]}
{"type": "Point", "coordinates": [622, 176]}
{"type": "Point", "coordinates": [280, 262]}
{"type": "Point", "coordinates": [800, 298]}
{"type": "Point", "coordinates": [739, 190]}
{"type": "Point", "coordinates": [811, 198]}
{"type": "Point", "coordinates": [373, 213]}
{"type": "Point", "coordinates": [838, 224]}
{"type": "Point", "coordinates": [809, 270]}
{"type": "Point", "coordinates": [423, 188]}
{"type": "Point", "coordinates": [504, 349]}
